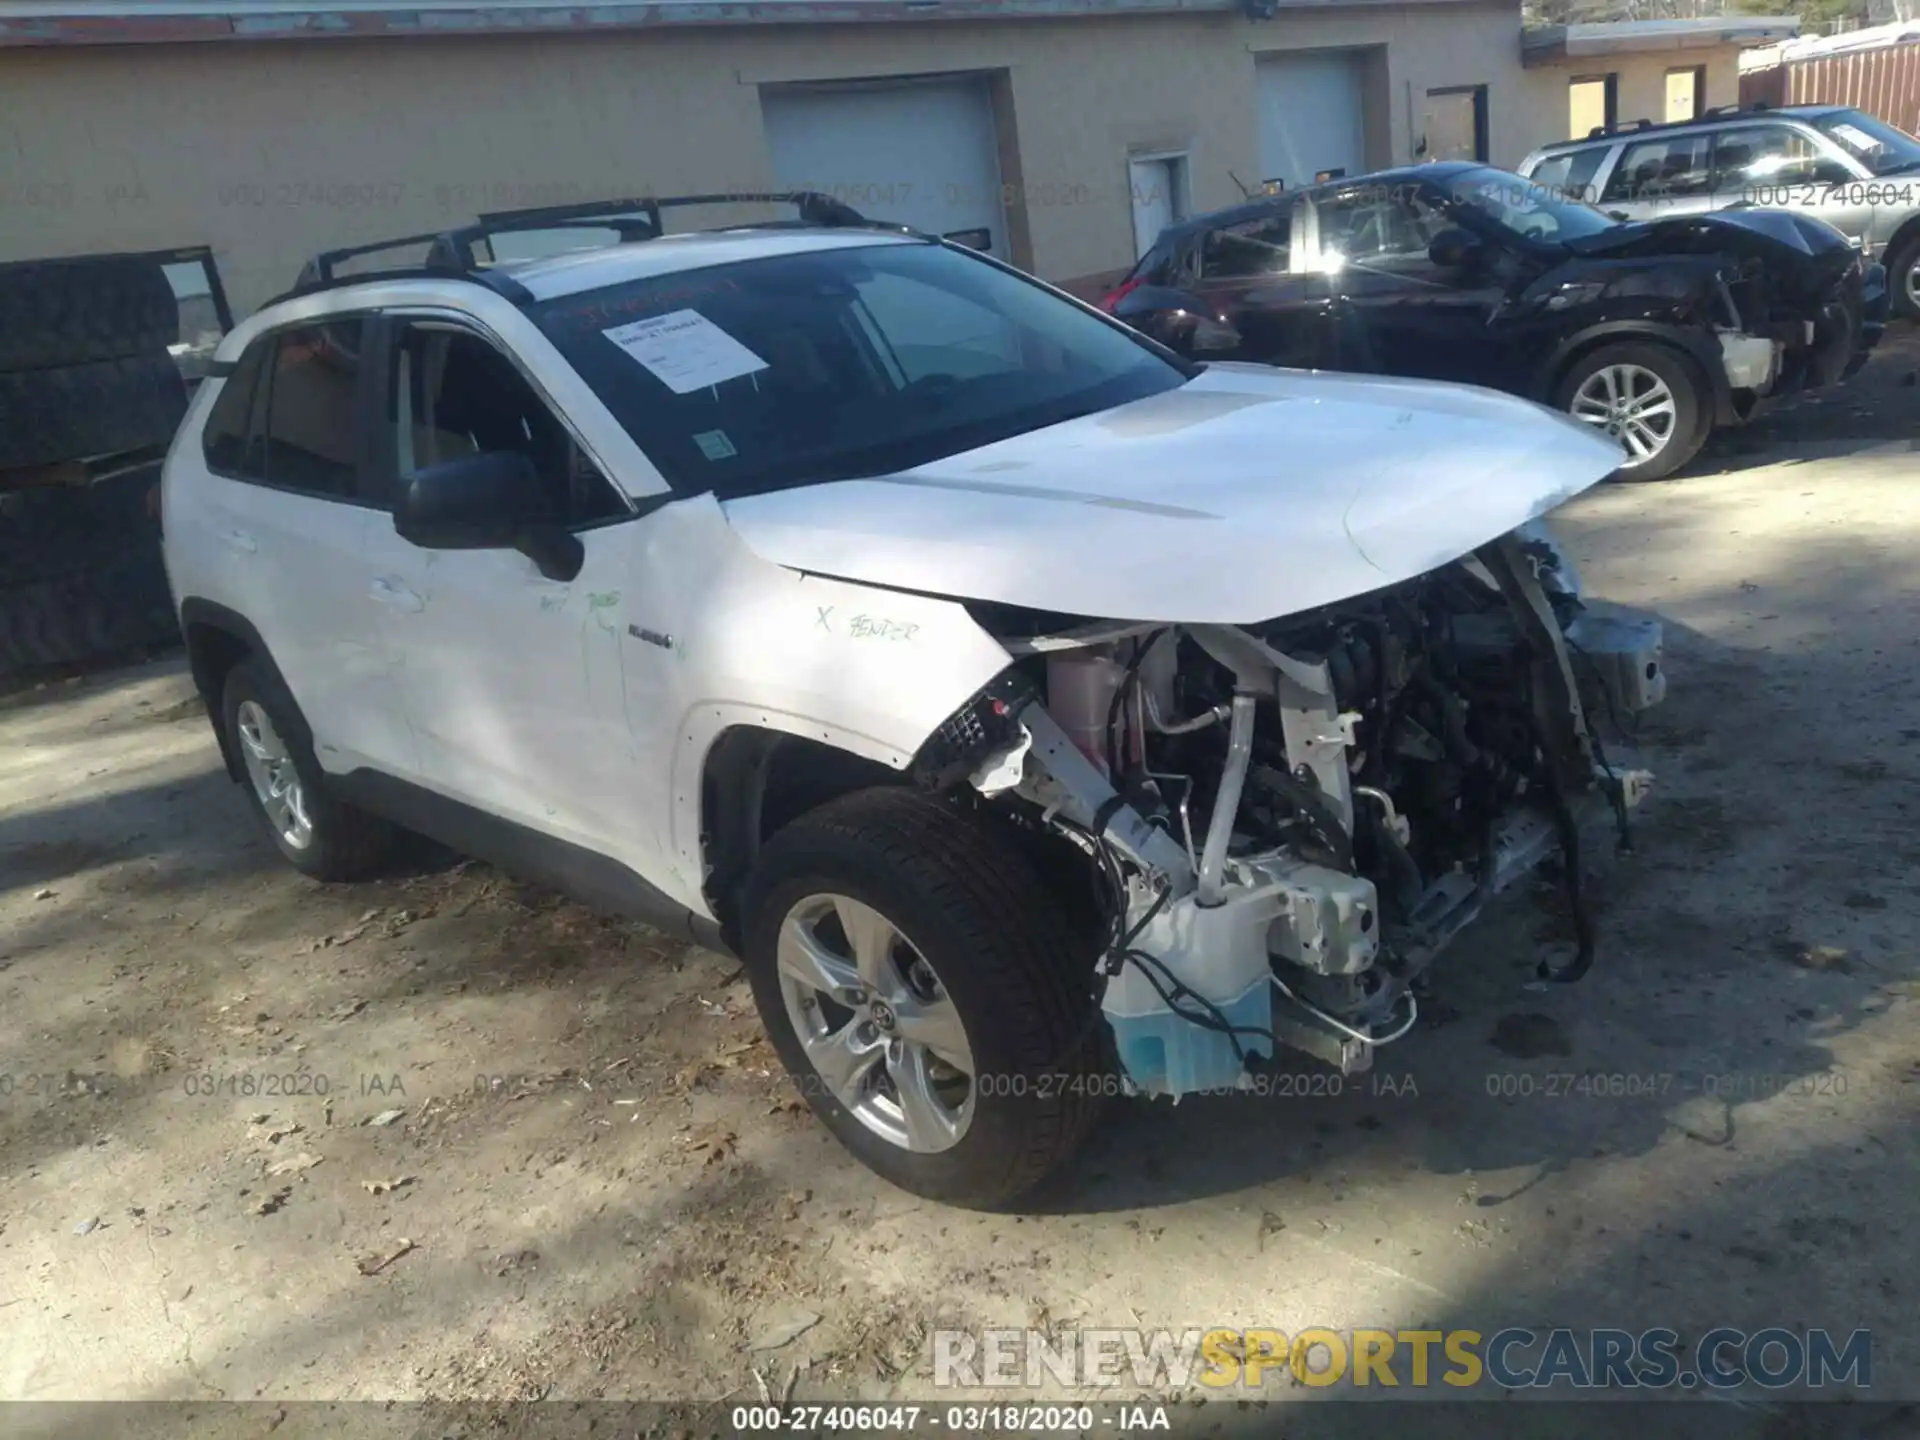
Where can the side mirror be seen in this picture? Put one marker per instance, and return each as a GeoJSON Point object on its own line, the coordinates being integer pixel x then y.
{"type": "Point", "coordinates": [1454, 249]}
{"type": "Point", "coordinates": [490, 501]}
{"type": "Point", "coordinates": [1619, 215]}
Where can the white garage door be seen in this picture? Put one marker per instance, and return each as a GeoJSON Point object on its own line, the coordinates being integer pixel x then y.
{"type": "Point", "coordinates": [914, 153]}
{"type": "Point", "coordinates": [1310, 116]}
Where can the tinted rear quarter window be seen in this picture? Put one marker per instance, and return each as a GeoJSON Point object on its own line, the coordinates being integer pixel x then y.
{"type": "Point", "coordinates": [230, 422]}
{"type": "Point", "coordinates": [1571, 173]}
{"type": "Point", "coordinates": [1161, 265]}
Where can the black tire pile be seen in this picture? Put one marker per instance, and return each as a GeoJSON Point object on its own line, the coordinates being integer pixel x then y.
{"type": "Point", "coordinates": [84, 374]}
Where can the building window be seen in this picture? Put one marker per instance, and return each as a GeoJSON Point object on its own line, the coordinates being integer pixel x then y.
{"type": "Point", "coordinates": [1456, 124]}
{"type": "Point", "coordinates": [1686, 92]}
{"type": "Point", "coordinates": [1593, 104]}
{"type": "Point", "coordinates": [1160, 197]}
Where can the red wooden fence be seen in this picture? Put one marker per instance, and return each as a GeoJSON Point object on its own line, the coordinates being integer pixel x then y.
{"type": "Point", "coordinates": [1883, 82]}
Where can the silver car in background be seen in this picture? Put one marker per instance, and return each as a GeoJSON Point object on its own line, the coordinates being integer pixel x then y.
{"type": "Point", "coordinates": [1857, 173]}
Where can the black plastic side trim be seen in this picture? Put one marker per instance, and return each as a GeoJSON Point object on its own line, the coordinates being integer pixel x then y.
{"type": "Point", "coordinates": [195, 611]}
{"type": "Point", "coordinates": [589, 877]}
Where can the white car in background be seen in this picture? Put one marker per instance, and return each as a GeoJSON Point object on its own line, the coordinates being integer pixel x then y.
{"type": "Point", "coordinates": [1040, 716]}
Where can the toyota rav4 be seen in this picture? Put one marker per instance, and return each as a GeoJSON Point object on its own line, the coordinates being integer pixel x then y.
{"type": "Point", "coordinates": [1039, 715]}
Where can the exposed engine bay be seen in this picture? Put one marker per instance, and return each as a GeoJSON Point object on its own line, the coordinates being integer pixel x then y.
{"type": "Point", "coordinates": [1289, 820]}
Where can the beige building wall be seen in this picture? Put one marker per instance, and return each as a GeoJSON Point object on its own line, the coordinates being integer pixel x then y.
{"type": "Point", "coordinates": [1642, 88]}
{"type": "Point", "coordinates": [271, 151]}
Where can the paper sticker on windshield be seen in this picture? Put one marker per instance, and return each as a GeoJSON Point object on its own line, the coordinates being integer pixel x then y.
{"type": "Point", "coordinates": [1856, 137]}
{"type": "Point", "coordinates": [715, 445]}
{"type": "Point", "coordinates": [685, 350]}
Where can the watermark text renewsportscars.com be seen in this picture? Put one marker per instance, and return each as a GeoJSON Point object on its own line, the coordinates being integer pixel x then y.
{"type": "Point", "coordinates": [1513, 1358]}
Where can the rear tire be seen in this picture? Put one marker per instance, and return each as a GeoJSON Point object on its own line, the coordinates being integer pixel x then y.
{"type": "Point", "coordinates": [1648, 375]}
{"type": "Point", "coordinates": [339, 841]}
{"type": "Point", "coordinates": [997, 950]}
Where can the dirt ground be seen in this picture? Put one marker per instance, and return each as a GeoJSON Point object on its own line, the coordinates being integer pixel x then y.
{"type": "Point", "coordinates": [442, 1135]}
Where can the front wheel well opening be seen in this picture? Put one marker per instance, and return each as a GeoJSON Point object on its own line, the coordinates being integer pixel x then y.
{"type": "Point", "coordinates": [1585, 349]}
{"type": "Point", "coordinates": [756, 783]}
{"type": "Point", "coordinates": [1907, 234]}
{"type": "Point", "coordinates": [1900, 253]}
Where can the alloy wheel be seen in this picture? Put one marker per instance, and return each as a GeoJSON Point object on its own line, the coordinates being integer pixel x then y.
{"type": "Point", "coordinates": [876, 1023]}
{"type": "Point", "coordinates": [1632, 404]}
{"type": "Point", "coordinates": [275, 780]}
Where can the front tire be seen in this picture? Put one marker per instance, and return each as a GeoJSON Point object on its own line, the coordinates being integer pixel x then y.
{"type": "Point", "coordinates": [316, 834]}
{"type": "Point", "coordinates": [1649, 398]}
{"type": "Point", "coordinates": [927, 995]}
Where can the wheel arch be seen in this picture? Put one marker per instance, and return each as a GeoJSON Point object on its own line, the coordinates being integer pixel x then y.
{"type": "Point", "coordinates": [756, 780]}
{"type": "Point", "coordinates": [1698, 351]}
{"type": "Point", "coordinates": [217, 639]}
{"type": "Point", "coordinates": [1695, 348]}
{"type": "Point", "coordinates": [1907, 235]}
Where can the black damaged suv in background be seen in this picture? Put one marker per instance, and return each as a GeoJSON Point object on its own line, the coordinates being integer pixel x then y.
{"type": "Point", "coordinates": [1654, 331]}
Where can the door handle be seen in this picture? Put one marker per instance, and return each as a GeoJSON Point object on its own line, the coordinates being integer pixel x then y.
{"type": "Point", "coordinates": [398, 596]}
{"type": "Point", "coordinates": [240, 542]}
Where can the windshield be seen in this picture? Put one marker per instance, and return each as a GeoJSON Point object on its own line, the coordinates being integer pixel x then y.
{"type": "Point", "coordinates": [1526, 207]}
{"type": "Point", "coordinates": [1878, 145]}
{"type": "Point", "coordinates": [833, 364]}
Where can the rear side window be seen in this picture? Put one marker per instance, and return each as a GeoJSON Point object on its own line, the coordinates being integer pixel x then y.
{"type": "Point", "coordinates": [1251, 248]}
{"type": "Point", "coordinates": [1673, 167]}
{"type": "Point", "coordinates": [289, 415]}
{"type": "Point", "coordinates": [1373, 227]}
{"type": "Point", "coordinates": [1570, 175]}
{"type": "Point", "coordinates": [1772, 155]}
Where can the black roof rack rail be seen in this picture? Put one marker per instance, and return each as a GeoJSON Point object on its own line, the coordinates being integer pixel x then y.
{"type": "Point", "coordinates": [1634, 127]}
{"type": "Point", "coordinates": [452, 252]}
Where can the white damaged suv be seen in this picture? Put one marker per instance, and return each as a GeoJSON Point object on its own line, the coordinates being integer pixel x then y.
{"type": "Point", "coordinates": [1039, 716]}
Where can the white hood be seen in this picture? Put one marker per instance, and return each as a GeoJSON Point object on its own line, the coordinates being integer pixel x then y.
{"type": "Point", "coordinates": [1247, 494]}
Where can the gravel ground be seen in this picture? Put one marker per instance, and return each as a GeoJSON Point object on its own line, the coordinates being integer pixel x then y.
{"type": "Point", "coordinates": [598, 1185]}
